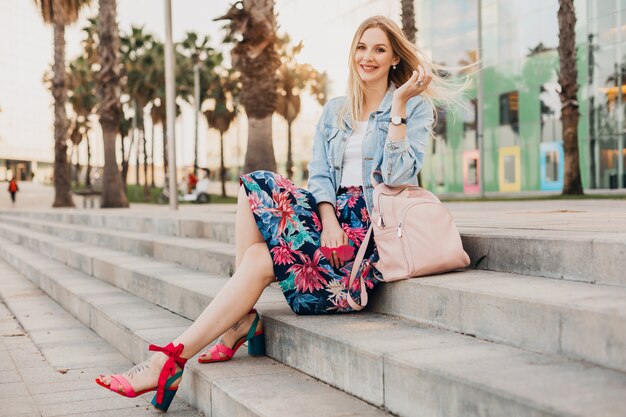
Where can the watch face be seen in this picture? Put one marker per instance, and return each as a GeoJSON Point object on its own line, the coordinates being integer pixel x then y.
{"type": "Point", "coordinates": [396, 120]}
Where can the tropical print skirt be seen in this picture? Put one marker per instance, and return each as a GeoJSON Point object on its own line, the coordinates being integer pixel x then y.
{"type": "Point", "coordinates": [287, 217]}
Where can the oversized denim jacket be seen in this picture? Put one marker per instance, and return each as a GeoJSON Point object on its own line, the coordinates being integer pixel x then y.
{"type": "Point", "coordinates": [398, 161]}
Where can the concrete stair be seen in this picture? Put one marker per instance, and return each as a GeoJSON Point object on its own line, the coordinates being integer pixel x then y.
{"type": "Point", "coordinates": [417, 358]}
{"type": "Point", "coordinates": [247, 387]}
{"type": "Point", "coordinates": [580, 255]}
{"type": "Point", "coordinates": [548, 316]}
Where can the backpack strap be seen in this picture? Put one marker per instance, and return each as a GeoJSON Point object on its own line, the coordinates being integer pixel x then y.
{"type": "Point", "coordinates": [355, 268]}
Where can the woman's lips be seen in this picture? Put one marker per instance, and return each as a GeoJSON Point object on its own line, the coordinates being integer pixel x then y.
{"type": "Point", "coordinates": [368, 68]}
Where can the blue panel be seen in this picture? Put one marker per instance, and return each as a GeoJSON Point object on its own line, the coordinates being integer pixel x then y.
{"type": "Point", "coordinates": [552, 162]}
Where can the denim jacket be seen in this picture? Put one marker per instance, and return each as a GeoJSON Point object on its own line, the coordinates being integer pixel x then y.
{"type": "Point", "coordinates": [399, 161]}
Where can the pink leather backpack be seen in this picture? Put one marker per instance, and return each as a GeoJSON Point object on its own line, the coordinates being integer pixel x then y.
{"type": "Point", "coordinates": [415, 236]}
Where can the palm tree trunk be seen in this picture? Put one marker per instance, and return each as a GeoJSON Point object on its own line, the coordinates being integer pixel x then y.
{"type": "Point", "coordinates": [222, 167]}
{"type": "Point", "coordinates": [164, 136]}
{"type": "Point", "coordinates": [76, 166]}
{"type": "Point", "coordinates": [408, 20]}
{"type": "Point", "coordinates": [113, 193]}
{"type": "Point", "coordinates": [138, 135]}
{"type": "Point", "coordinates": [137, 154]}
{"type": "Point", "coordinates": [125, 159]}
{"type": "Point", "coordinates": [146, 188]}
{"type": "Point", "coordinates": [260, 151]}
{"type": "Point", "coordinates": [568, 79]}
{"type": "Point", "coordinates": [258, 77]}
{"type": "Point", "coordinates": [289, 153]}
{"type": "Point", "coordinates": [88, 175]}
{"type": "Point", "coordinates": [62, 186]}
{"type": "Point", "coordinates": [409, 29]}
{"type": "Point", "coordinates": [152, 185]}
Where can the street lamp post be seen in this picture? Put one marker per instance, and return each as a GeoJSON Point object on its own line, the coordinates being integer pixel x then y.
{"type": "Point", "coordinates": [170, 105]}
{"type": "Point", "coordinates": [479, 105]}
{"type": "Point", "coordinates": [196, 96]}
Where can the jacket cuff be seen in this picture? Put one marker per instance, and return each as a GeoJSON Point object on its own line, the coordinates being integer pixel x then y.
{"type": "Point", "coordinates": [397, 146]}
{"type": "Point", "coordinates": [325, 198]}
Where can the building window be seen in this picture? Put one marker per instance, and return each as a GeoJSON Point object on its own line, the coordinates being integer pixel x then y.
{"type": "Point", "coordinates": [552, 166]}
{"type": "Point", "coordinates": [509, 108]}
{"type": "Point", "coordinates": [509, 169]}
{"type": "Point", "coordinates": [472, 172]}
{"type": "Point", "coordinates": [550, 108]}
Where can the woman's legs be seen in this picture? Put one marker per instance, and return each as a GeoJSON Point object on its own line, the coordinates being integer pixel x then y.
{"type": "Point", "coordinates": [254, 272]}
{"type": "Point", "coordinates": [246, 231]}
{"type": "Point", "coordinates": [233, 301]}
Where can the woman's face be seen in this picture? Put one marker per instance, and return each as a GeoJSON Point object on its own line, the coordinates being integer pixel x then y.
{"type": "Point", "coordinates": [374, 56]}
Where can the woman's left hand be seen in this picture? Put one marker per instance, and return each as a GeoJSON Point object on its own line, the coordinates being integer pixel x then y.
{"type": "Point", "coordinates": [417, 84]}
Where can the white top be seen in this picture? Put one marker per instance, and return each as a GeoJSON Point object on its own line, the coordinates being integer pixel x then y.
{"type": "Point", "coordinates": [353, 157]}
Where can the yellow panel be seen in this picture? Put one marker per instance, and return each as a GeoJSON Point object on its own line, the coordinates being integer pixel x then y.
{"type": "Point", "coordinates": [510, 181]}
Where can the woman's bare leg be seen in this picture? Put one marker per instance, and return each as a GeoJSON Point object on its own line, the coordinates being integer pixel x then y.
{"type": "Point", "coordinates": [246, 231]}
{"type": "Point", "coordinates": [231, 303]}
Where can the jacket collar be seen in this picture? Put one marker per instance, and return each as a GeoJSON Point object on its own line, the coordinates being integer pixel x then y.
{"type": "Point", "coordinates": [385, 105]}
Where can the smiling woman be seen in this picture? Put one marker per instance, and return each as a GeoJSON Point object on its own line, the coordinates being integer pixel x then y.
{"type": "Point", "coordinates": [306, 239]}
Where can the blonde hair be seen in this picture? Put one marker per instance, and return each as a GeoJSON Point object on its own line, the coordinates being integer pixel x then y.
{"type": "Point", "coordinates": [440, 92]}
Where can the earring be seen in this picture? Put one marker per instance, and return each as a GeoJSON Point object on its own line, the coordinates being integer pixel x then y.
{"type": "Point", "coordinates": [393, 66]}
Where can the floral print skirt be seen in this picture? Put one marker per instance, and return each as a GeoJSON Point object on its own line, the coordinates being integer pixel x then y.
{"type": "Point", "coordinates": [287, 217]}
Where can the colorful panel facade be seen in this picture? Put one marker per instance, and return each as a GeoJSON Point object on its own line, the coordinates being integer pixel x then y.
{"type": "Point", "coordinates": [521, 106]}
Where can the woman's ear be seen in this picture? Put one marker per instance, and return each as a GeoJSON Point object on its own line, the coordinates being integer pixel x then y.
{"type": "Point", "coordinates": [396, 60]}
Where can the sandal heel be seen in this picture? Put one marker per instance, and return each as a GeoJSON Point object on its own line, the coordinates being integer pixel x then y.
{"type": "Point", "coordinates": [168, 396]}
{"type": "Point", "coordinates": [256, 345]}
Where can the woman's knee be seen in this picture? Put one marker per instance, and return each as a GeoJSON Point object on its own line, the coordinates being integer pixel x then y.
{"type": "Point", "coordinates": [242, 193]}
{"type": "Point", "coordinates": [258, 255]}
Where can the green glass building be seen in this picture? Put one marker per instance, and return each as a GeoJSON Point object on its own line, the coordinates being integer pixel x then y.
{"type": "Point", "coordinates": [523, 148]}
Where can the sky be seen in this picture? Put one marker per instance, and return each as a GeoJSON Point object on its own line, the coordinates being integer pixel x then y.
{"type": "Point", "coordinates": [325, 26]}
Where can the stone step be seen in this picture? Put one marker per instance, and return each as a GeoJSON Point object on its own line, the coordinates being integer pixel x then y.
{"type": "Point", "coordinates": [409, 369]}
{"type": "Point", "coordinates": [247, 386]}
{"type": "Point", "coordinates": [48, 366]}
{"type": "Point", "coordinates": [573, 319]}
{"type": "Point", "coordinates": [570, 255]}
{"type": "Point", "coordinates": [195, 253]}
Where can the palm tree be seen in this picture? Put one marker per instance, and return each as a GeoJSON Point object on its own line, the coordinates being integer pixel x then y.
{"type": "Point", "coordinates": [82, 97]}
{"type": "Point", "coordinates": [113, 193]}
{"type": "Point", "coordinates": [156, 78]}
{"type": "Point", "coordinates": [410, 31]}
{"type": "Point", "coordinates": [568, 79]}
{"type": "Point", "coordinates": [60, 13]}
{"type": "Point", "coordinates": [224, 93]}
{"type": "Point", "coordinates": [200, 57]}
{"type": "Point", "coordinates": [408, 20]}
{"type": "Point", "coordinates": [293, 78]}
{"type": "Point", "coordinates": [138, 60]}
{"type": "Point", "coordinates": [252, 28]}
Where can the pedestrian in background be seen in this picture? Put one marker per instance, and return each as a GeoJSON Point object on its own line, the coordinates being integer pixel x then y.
{"type": "Point", "coordinates": [13, 189]}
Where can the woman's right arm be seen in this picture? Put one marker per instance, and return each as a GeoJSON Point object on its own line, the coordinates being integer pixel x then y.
{"type": "Point", "coordinates": [321, 185]}
{"type": "Point", "coordinates": [332, 235]}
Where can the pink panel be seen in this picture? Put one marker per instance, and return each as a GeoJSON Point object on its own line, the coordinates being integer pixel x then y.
{"type": "Point", "coordinates": [469, 186]}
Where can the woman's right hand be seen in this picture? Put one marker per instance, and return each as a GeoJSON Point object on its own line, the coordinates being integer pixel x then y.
{"type": "Point", "coordinates": [333, 236]}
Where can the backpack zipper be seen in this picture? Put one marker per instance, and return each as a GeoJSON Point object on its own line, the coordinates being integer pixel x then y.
{"type": "Point", "coordinates": [381, 220]}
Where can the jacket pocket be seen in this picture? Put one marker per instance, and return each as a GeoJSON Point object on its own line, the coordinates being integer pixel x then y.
{"type": "Point", "coordinates": [383, 130]}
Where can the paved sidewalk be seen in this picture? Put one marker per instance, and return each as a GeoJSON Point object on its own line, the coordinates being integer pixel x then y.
{"type": "Point", "coordinates": [47, 358]}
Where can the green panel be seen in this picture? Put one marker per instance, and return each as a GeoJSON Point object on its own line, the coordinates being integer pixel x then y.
{"type": "Point", "coordinates": [537, 70]}
{"type": "Point", "coordinates": [583, 123]}
{"type": "Point", "coordinates": [525, 72]}
{"type": "Point", "coordinates": [454, 171]}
